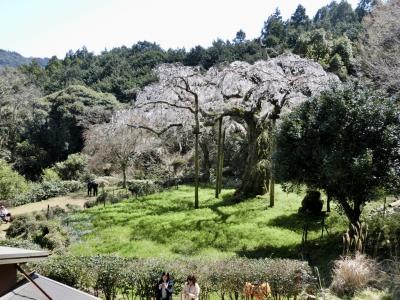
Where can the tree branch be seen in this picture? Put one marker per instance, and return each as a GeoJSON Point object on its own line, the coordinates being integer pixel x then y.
{"type": "Point", "coordinates": [167, 103]}
{"type": "Point", "coordinates": [158, 133]}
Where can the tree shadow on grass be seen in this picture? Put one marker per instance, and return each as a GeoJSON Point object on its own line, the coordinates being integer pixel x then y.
{"type": "Point", "coordinates": [296, 222]}
{"type": "Point", "coordinates": [228, 200]}
{"type": "Point", "coordinates": [320, 253]}
{"type": "Point", "coordinates": [289, 251]}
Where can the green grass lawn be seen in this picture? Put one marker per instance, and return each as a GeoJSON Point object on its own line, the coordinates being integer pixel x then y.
{"type": "Point", "coordinates": [166, 225]}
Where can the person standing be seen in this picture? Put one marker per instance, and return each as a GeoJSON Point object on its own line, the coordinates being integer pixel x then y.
{"type": "Point", "coordinates": [191, 289]}
{"type": "Point", "coordinates": [165, 287]}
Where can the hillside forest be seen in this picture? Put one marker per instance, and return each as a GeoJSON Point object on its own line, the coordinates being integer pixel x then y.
{"type": "Point", "coordinates": [310, 106]}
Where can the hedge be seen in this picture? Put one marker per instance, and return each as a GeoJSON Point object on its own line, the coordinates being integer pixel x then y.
{"type": "Point", "coordinates": [46, 189]}
{"type": "Point", "coordinates": [131, 278]}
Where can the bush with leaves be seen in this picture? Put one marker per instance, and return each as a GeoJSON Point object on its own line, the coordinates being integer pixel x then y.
{"type": "Point", "coordinates": [19, 243]}
{"type": "Point", "coordinates": [11, 183]}
{"type": "Point", "coordinates": [131, 277]}
{"type": "Point", "coordinates": [109, 274]}
{"type": "Point", "coordinates": [22, 226]}
{"type": "Point", "coordinates": [383, 235]}
{"type": "Point", "coordinates": [49, 174]}
{"type": "Point", "coordinates": [47, 234]}
{"type": "Point", "coordinates": [72, 168]}
{"type": "Point", "coordinates": [38, 191]}
{"type": "Point", "coordinates": [70, 270]}
{"type": "Point", "coordinates": [143, 187]}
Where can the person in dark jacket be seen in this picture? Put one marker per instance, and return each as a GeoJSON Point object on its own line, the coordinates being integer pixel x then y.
{"type": "Point", "coordinates": [165, 287]}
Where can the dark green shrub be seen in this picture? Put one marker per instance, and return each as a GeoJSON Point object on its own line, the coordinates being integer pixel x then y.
{"type": "Point", "coordinates": [383, 240]}
{"type": "Point", "coordinates": [311, 203]}
{"type": "Point", "coordinates": [22, 227]}
{"type": "Point", "coordinates": [11, 183]}
{"type": "Point", "coordinates": [52, 240]}
{"type": "Point", "coordinates": [51, 235]}
{"type": "Point", "coordinates": [138, 277]}
{"type": "Point", "coordinates": [72, 168]}
{"type": "Point", "coordinates": [46, 234]}
{"type": "Point", "coordinates": [70, 270]}
{"type": "Point", "coordinates": [109, 276]}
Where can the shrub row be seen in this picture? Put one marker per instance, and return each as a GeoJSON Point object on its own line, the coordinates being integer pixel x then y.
{"type": "Point", "coordinates": [46, 189]}
{"type": "Point", "coordinates": [112, 275]}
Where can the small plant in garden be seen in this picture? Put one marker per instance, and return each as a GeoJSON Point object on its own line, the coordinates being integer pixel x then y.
{"type": "Point", "coordinates": [354, 238]}
{"type": "Point", "coordinates": [352, 274]}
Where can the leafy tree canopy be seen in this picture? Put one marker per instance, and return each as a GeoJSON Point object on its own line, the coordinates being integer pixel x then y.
{"type": "Point", "coordinates": [55, 128]}
{"type": "Point", "coordinates": [345, 142]}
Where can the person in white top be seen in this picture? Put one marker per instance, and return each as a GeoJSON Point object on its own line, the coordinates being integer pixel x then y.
{"type": "Point", "coordinates": [191, 289]}
{"type": "Point", "coordinates": [4, 214]}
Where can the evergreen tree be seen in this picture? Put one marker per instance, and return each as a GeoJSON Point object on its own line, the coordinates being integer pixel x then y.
{"type": "Point", "coordinates": [273, 32]}
{"type": "Point", "coordinates": [364, 7]}
{"type": "Point", "coordinates": [300, 18]}
{"type": "Point", "coordinates": [240, 37]}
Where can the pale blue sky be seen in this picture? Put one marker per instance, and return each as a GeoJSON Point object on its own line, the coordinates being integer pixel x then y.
{"type": "Point", "coordinates": [52, 27]}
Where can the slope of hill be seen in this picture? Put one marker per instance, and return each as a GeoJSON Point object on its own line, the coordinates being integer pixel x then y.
{"type": "Point", "coordinates": [14, 59]}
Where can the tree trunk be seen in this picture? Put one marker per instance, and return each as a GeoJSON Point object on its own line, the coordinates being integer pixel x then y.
{"type": "Point", "coordinates": [272, 192]}
{"type": "Point", "coordinates": [256, 175]}
{"type": "Point", "coordinates": [353, 213]}
{"type": "Point", "coordinates": [218, 159]}
{"type": "Point", "coordinates": [124, 177]}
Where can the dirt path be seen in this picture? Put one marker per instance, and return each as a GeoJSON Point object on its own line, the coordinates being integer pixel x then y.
{"type": "Point", "coordinates": [61, 201]}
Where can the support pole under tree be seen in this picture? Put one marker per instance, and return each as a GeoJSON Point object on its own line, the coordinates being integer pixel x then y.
{"type": "Point", "coordinates": [196, 154]}
{"type": "Point", "coordinates": [124, 177]}
{"type": "Point", "coordinates": [217, 167]}
{"type": "Point", "coordinates": [221, 164]}
{"type": "Point", "coordinates": [272, 179]}
{"type": "Point", "coordinates": [328, 201]}
{"type": "Point", "coordinates": [196, 176]}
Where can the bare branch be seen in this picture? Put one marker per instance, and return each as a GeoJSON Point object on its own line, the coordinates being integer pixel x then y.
{"type": "Point", "coordinates": [164, 102]}
{"type": "Point", "coordinates": [158, 133]}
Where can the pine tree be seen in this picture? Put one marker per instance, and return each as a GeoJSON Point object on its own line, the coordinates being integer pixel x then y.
{"type": "Point", "coordinates": [273, 32]}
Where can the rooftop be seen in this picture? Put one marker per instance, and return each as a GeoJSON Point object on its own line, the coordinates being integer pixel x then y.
{"type": "Point", "coordinates": [57, 291]}
{"type": "Point", "coordinates": [9, 255]}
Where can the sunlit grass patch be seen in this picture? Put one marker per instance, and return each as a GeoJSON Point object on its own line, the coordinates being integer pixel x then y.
{"type": "Point", "coordinates": [165, 224]}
